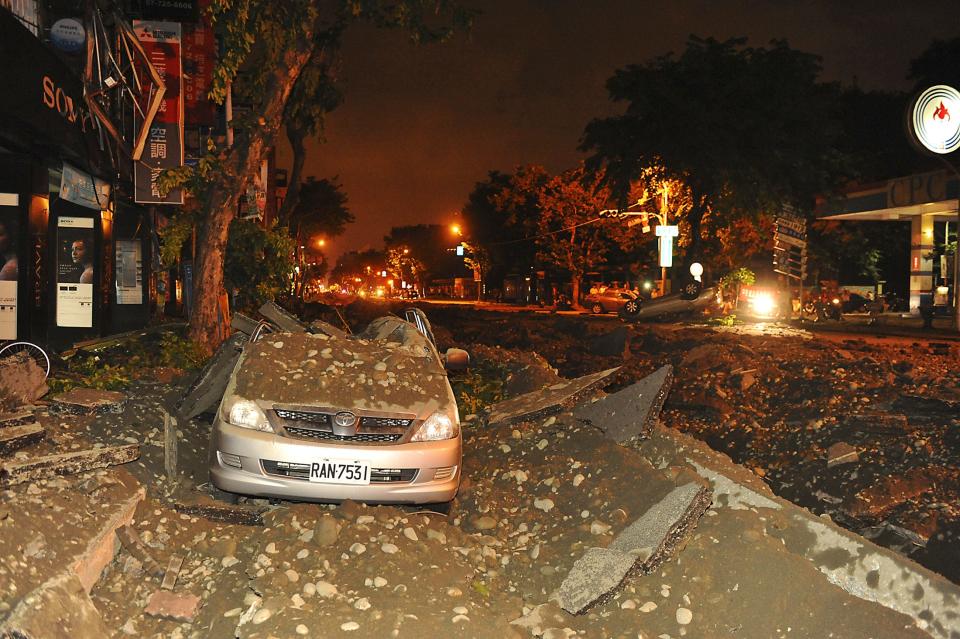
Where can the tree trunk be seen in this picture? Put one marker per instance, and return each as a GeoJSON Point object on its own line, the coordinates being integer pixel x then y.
{"type": "Point", "coordinates": [297, 137]}
{"type": "Point", "coordinates": [207, 327]}
{"type": "Point", "coordinates": [575, 285]}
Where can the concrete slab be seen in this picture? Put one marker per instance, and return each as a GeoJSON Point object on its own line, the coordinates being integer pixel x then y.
{"type": "Point", "coordinates": [88, 401]}
{"type": "Point", "coordinates": [54, 544]}
{"type": "Point", "coordinates": [766, 542]}
{"type": "Point", "coordinates": [550, 400]}
{"type": "Point", "coordinates": [593, 578]}
{"type": "Point", "coordinates": [640, 548]}
{"type": "Point", "coordinates": [631, 412]}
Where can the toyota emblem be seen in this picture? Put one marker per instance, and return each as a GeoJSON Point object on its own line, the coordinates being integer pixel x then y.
{"type": "Point", "coordinates": [344, 419]}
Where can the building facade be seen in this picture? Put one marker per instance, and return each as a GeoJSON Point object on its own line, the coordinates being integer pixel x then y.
{"type": "Point", "coordinates": [929, 202]}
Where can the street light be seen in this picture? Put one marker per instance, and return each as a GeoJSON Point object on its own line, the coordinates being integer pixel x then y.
{"type": "Point", "coordinates": [456, 230]}
{"type": "Point", "coordinates": [665, 232]}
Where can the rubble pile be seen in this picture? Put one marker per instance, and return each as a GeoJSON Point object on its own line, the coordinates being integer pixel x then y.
{"type": "Point", "coordinates": [784, 405]}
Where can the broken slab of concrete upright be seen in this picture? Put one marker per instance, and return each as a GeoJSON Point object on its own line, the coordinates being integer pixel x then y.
{"type": "Point", "coordinates": [631, 412]}
{"type": "Point", "coordinates": [22, 381]}
{"type": "Point", "coordinates": [207, 389]}
{"type": "Point", "coordinates": [550, 400]}
{"type": "Point", "coordinates": [639, 549]}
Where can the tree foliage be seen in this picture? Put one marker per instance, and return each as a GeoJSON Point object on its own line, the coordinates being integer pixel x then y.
{"type": "Point", "coordinates": [258, 264]}
{"type": "Point", "coordinates": [267, 48]}
{"type": "Point", "coordinates": [321, 210]}
{"type": "Point", "coordinates": [744, 128]}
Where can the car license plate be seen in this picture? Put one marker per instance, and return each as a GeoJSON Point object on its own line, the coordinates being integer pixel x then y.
{"type": "Point", "coordinates": [332, 471]}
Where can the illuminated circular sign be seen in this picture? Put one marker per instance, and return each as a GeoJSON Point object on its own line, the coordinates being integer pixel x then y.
{"type": "Point", "coordinates": [68, 35]}
{"type": "Point", "coordinates": [936, 119]}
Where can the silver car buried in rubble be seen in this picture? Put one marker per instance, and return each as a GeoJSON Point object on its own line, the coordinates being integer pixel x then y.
{"type": "Point", "coordinates": [328, 417]}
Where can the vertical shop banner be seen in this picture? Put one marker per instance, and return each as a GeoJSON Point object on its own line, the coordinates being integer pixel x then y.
{"type": "Point", "coordinates": [75, 271]}
{"type": "Point", "coordinates": [129, 270]}
{"type": "Point", "coordinates": [9, 269]}
{"type": "Point", "coordinates": [164, 147]}
{"type": "Point", "coordinates": [199, 56]}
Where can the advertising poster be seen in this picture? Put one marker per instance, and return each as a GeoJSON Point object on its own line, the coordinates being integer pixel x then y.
{"type": "Point", "coordinates": [129, 269]}
{"type": "Point", "coordinates": [75, 272]}
{"type": "Point", "coordinates": [82, 188]}
{"type": "Point", "coordinates": [164, 145]}
{"type": "Point", "coordinates": [9, 273]}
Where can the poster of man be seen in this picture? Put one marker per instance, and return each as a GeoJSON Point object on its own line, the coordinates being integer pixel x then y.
{"type": "Point", "coordinates": [8, 250]}
{"type": "Point", "coordinates": [75, 271]}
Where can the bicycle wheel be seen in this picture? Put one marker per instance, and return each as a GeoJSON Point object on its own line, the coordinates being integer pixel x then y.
{"type": "Point", "coordinates": [32, 351]}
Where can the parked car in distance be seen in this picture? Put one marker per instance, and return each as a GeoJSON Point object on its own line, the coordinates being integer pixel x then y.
{"type": "Point", "coordinates": [327, 416]}
{"type": "Point", "coordinates": [610, 300]}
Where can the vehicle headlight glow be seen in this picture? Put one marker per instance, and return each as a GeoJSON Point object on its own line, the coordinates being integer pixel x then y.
{"type": "Point", "coordinates": [763, 304]}
{"type": "Point", "coordinates": [245, 413]}
{"type": "Point", "coordinates": [440, 425]}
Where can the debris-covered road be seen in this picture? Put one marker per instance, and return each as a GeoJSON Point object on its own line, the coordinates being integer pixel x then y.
{"type": "Point", "coordinates": [540, 494]}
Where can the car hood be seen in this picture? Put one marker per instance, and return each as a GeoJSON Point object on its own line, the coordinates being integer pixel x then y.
{"type": "Point", "coordinates": [300, 369]}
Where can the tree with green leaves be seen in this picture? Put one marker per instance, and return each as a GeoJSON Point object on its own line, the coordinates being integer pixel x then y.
{"type": "Point", "coordinates": [258, 263]}
{"type": "Point", "coordinates": [745, 129]}
{"type": "Point", "coordinates": [266, 48]}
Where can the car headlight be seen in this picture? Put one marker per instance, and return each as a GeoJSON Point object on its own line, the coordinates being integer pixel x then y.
{"type": "Point", "coordinates": [440, 425]}
{"type": "Point", "coordinates": [245, 413]}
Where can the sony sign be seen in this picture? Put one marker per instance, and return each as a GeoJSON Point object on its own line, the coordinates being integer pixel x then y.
{"type": "Point", "coordinates": [57, 99]}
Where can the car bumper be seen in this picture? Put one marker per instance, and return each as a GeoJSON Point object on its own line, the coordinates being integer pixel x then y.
{"type": "Point", "coordinates": [251, 448]}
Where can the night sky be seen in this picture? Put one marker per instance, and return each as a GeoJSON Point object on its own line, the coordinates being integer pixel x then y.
{"type": "Point", "coordinates": [421, 125]}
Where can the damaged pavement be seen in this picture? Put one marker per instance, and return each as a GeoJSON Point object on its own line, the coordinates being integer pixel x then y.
{"type": "Point", "coordinates": [580, 514]}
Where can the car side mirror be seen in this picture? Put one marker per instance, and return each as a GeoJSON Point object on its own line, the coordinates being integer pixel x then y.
{"type": "Point", "coordinates": [456, 359]}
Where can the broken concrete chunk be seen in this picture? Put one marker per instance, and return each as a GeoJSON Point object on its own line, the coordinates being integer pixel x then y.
{"type": "Point", "coordinates": [207, 390]}
{"type": "Point", "coordinates": [243, 323]}
{"type": "Point", "coordinates": [227, 514]}
{"type": "Point", "coordinates": [16, 472]}
{"type": "Point", "coordinates": [550, 400]}
{"type": "Point", "coordinates": [16, 418]}
{"type": "Point", "coordinates": [17, 437]}
{"type": "Point", "coordinates": [131, 542]}
{"type": "Point", "coordinates": [22, 381]}
{"type": "Point", "coordinates": [631, 412]}
{"type": "Point", "coordinates": [640, 548]}
{"type": "Point", "coordinates": [61, 608]}
{"type": "Point", "coordinates": [286, 322]}
{"type": "Point", "coordinates": [876, 422]}
{"type": "Point", "coordinates": [841, 453]}
{"type": "Point", "coordinates": [662, 527]}
{"type": "Point", "coordinates": [88, 401]}
{"type": "Point", "coordinates": [172, 572]}
{"type": "Point", "coordinates": [168, 605]}
{"type": "Point", "coordinates": [593, 578]}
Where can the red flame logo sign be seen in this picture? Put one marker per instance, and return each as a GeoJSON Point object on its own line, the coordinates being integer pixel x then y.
{"type": "Point", "coordinates": [941, 113]}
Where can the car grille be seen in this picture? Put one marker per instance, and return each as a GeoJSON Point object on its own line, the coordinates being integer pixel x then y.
{"type": "Point", "coordinates": [384, 422]}
{"type": "Point", "coordinates": [363, 438]}
{"type": "Point", "coordinates": [317, 425]}
{"type": "Point", "coordinates": [303, 416]}
{"type": "Point", "coordinates": [302, 471]}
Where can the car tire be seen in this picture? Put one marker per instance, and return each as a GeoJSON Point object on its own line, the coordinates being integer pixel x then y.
{"type": "Point", "coordinates": [691, 290]}
{"type": "Point", "coordinates": [631, 308]}
{"type": "Point", "coordinates": [597, 308]}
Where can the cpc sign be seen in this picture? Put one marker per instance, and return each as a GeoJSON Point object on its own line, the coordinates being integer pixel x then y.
{"type": "Point", "coordinates": [936, 119]}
